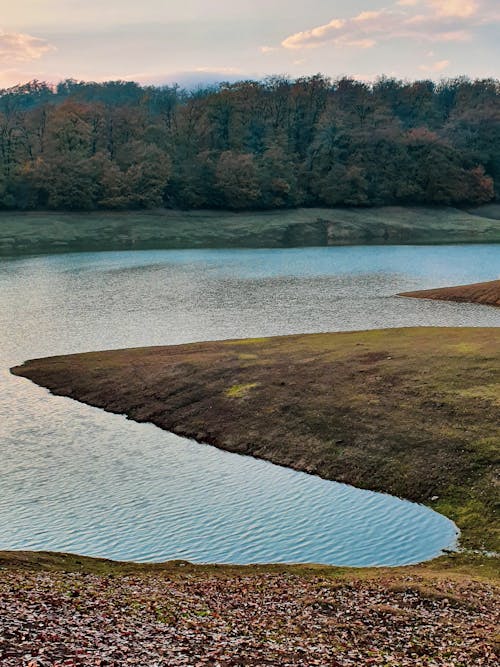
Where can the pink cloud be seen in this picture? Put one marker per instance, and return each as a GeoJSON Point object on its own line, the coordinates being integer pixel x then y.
{"type": "Point", "coordinates": [456, 8]}
{"type": "Point", "coordinates": [437, 66]}
{"type": "Point", "coordinates": [429, 20]}
{"type": "Point", "coordinates": [309, 37]}
{"type": "Point", "coordinates": [17, 47]}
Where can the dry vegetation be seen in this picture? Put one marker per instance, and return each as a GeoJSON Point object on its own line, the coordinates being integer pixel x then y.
{"type": "Point", "coordinates": [65, 610]}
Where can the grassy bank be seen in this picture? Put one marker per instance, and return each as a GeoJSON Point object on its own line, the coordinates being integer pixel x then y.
{"type": "Point", "coordinates": [24, 233]}
{"type": "Point", "coordinates": [460, 564]}
{"type": "Point", "coordinates": [413, 412]}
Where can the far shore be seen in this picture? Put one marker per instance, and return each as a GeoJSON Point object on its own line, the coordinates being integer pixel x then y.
{"type": "Point", "coordinates": [36, 232]}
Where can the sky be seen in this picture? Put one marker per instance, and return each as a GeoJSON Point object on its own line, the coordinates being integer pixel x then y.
{"type": "Point", "coordinates": [195, 41]}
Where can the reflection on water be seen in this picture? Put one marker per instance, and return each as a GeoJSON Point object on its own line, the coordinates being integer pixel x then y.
{"type": "Point", "coordinates": [76, 478]}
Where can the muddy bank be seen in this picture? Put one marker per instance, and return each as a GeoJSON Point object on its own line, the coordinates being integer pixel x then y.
{"type": "Point", "coordinates": [487, 294]}
{"type": "Point", "coordinates": [412, 412]}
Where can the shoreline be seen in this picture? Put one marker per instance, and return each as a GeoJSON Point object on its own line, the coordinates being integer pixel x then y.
{"type": "Point", "coordinates": [29, 233]}
{"type": "Point", "coordinates": [465, 562]}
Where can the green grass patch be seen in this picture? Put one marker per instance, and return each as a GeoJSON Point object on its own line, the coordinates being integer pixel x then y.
{"type": "Point", "coordinates": [240, 390]}
{"type": "Point", "coordinates": [247, 341]}
{"type": "Point", "coordinates": [487, 392]}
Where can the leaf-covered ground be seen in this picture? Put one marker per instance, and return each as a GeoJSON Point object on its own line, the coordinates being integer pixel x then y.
{"type": "Point", "coordinates": [152, 619]}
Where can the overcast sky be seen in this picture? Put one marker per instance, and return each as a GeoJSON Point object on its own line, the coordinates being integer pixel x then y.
{"type": "Point", "coordinates": [161, 41]}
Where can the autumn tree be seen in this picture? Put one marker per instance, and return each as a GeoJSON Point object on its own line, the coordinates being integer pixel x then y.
{"type": "Point", "coordinates": [250, 145]}
{"type": "Point", "coordinates": [237, 181]}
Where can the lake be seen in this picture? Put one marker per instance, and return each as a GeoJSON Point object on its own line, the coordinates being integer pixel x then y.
{"type": "Point", "coordinates": [78, 479]}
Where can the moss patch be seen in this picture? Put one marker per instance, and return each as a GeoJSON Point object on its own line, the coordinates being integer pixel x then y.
{"type": "Point", "coordinates": [240, 390]}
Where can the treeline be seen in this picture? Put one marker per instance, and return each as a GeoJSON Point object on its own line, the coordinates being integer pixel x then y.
{"type": "Point", "coordinates": [249, 145]}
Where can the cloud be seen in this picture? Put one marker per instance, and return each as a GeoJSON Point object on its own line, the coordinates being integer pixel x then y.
{"type": "Point", "coordinates": [314, 36]}
{"type": "Point", "coordinates": [437, 66]}
{"type": "Point", "coordinates": [17, 47]}
{"type": "Point", "coordinates": [456, 8]}
{"type": "Point", "coordinates": [368, 16]}
{"type": "Point", "coordinates": [429, 20]}
{"type": "Point", "coordinates": [268, 49]}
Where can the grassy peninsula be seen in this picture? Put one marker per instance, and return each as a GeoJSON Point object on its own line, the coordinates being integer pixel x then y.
{"type": "Point", "coordinates": [487, 294]}
{"type": "Point", "coordinates": [49, 232]}
{"type": "Point", "coordinates": [413, 412]}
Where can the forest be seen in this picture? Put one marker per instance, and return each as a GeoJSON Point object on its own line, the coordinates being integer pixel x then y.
{"type": "Point", "coordinates": [270, 144]}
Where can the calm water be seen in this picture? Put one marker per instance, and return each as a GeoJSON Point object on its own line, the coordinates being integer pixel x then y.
{"type": "Point", "coordinates": [78, 479]}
